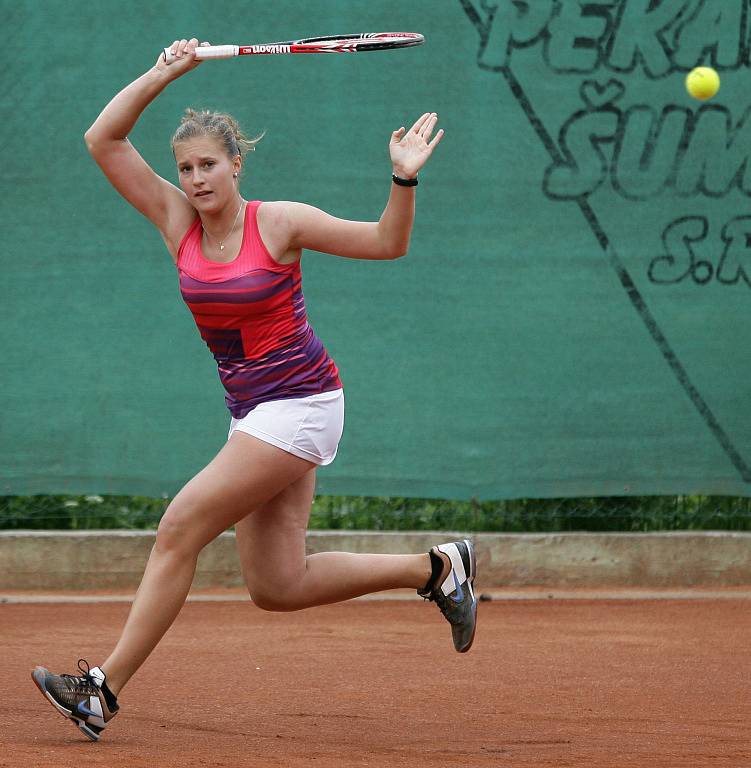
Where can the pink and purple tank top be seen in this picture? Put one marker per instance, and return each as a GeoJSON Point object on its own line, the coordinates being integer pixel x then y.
{"type": "Point", "coordinates": [251, 314]}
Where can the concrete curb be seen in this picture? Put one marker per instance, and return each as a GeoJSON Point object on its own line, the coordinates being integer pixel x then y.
{"type": "Point", "coordinates": [114, 560]}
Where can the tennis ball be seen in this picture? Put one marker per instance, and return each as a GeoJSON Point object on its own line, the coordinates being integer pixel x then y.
{"type": "Point", "coordinates": [702, 83]}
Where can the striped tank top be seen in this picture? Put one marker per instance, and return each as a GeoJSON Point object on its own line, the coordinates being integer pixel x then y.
{"type": "Point", "coordinates": [251, 314]}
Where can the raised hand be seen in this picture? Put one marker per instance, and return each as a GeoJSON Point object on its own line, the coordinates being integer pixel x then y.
{"type": "Point", "coordinates": [184, 50]}
{"type": "Point", "coordinates": [411, 149]}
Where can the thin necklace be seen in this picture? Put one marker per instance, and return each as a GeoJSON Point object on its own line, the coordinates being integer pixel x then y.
{"type": "Point", "coordinates": [231, 229]}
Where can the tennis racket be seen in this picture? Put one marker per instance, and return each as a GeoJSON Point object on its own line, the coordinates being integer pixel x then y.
{"type": "Point", "coordinates": [367, 41]}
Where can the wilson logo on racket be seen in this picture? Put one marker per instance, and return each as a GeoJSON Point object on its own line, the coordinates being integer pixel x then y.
{"type": "Point", "coordinates": [268, 49]}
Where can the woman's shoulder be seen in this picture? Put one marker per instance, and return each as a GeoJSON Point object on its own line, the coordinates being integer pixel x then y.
{"type": "Point", "coordinates": [275, 228]}
{"type": "Point", "coordinates": [272, 209]}
{"type": "Point", "coordinates": [274, 214]}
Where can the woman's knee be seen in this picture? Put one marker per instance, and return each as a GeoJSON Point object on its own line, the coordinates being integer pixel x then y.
{"type": "Point", "coordinates": [175, 534]}
{"type": "Point", "coordinates": [278, 600]}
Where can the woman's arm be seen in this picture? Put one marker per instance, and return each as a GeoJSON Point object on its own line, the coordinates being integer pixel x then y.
{"type": "Point", "coordinates": [388, 238]}
{"type": "Point", "coordinates": [107, 140]}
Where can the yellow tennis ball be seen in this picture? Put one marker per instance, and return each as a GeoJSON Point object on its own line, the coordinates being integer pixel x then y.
{"type": "Point", "coordinates": [702, 83]}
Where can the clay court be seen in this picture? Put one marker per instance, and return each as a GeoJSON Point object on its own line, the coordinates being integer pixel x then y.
{"type": "Point", "coordinates": [549, 682]}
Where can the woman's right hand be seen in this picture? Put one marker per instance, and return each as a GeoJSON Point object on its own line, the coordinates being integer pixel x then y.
{"type": "Point", "coordinates": [184, 51]}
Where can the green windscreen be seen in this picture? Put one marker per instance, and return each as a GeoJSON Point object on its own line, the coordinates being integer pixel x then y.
{"type": "Point", "coordinates": [570, 318]}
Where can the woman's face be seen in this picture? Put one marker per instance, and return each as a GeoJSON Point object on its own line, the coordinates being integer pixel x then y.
{"type": "Point", "coordinates": [206, 173]}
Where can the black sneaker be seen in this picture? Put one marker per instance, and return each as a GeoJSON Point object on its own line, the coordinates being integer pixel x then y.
{"type": "Point", "coordinates": [80, 698]}
{"type": "Point", "coordinates": [452, 590]}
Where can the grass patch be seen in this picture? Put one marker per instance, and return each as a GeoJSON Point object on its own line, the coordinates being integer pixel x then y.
{"type": "Point", "coordinates": [642, 513]}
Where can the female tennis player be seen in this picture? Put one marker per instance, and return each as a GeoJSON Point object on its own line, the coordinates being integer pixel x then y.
{"type": "Point", "coordinates": [238, 264]}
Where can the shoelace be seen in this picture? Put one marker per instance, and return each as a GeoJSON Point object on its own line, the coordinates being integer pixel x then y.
{"type": "Point", "coordinates": [84, 683]}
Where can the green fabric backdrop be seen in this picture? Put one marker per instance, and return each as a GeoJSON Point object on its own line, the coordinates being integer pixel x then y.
{"type": "Point", "coordinates": [570, 319]}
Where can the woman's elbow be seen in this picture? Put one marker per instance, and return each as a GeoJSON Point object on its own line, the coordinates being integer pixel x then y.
{"type": "Point", "coordinates": [95, 141]}
{"type": "Point", "coordinates": [396, 250]}
{"type": "Point", "coordinates": [90, 139]}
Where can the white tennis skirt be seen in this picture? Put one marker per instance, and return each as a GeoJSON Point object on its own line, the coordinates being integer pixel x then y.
{"type": "Point", "coordinates": [308, 427]}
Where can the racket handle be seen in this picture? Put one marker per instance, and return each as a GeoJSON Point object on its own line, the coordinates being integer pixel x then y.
{"type": "Point", "coordinates": [208, 52]}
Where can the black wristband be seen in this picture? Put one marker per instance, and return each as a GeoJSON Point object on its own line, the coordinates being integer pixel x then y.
{"type": "Point", "coordinates": [399, 181]}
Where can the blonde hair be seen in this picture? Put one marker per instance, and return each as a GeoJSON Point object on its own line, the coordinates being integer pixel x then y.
{"type": "Point", "coordinates": [218, 125]}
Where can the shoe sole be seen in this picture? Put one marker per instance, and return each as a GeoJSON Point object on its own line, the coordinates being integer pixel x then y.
{"type": "Point", "coordinates": [472, 560]}
{"type": "Point", "coordinates": [38, 676]}
{"type": "Point", "coordinates": [471, 581]}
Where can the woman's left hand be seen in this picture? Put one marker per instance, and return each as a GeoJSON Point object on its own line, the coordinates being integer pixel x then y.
{"type": "Point", "coordinates": [411, 149]}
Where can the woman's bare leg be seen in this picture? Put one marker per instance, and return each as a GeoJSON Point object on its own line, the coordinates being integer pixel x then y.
{"type": "Point", "coordinates": [271, 545]}
{"type": "Point", "coordinates": [244, 475]}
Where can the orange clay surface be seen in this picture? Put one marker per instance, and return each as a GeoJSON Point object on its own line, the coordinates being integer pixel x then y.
{"type": "Point", "coordinates": [548, 683]}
